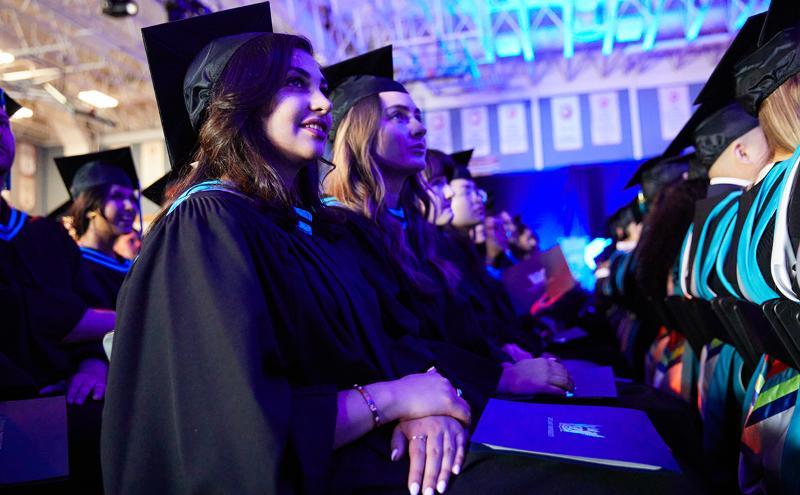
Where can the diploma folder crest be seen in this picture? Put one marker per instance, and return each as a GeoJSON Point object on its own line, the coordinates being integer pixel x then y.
{"type": "Point", "coordinates": [609, 436]}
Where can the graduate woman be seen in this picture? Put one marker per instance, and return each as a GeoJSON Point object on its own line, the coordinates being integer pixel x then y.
{"type": "Point", "coordinates": [487, 295]}
{"type": "Point", "coordinates": [238, 344]}
{"type": "Point", "coordinates": [103, 188]}
{"type": "Point", "coordinates": [379, 153]}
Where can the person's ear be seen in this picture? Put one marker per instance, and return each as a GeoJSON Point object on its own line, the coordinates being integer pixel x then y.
{"type": "Point", "coordinates": [740, 152]}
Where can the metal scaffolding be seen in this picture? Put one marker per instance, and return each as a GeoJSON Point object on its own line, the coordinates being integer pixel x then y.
{"type": "Point", "coordinates": [66, 46]}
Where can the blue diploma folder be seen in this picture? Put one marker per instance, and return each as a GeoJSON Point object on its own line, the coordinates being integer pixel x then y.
{"type": "Point", "coordinates": [592, 382]}
{"type": "Point", "coordinates": [608, 436]}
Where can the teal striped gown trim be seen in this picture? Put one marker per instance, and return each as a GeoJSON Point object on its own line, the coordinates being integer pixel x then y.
{"type": "Point", "coordinates": [757, 219]}
{"type": "Point", "coordinates": [16, 220]}
{"type": "Point", "coordinates": [706, 254]}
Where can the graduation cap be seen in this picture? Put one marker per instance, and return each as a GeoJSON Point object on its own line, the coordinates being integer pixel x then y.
{"type": "Point", "coordinates": [721, 85]}
{"type": "Point", "coordinates": [657, 173]}
{"type": "Point", "coordinates": [155, 192]}
{"type": "Point", "coordinates": [82, 172]}
{"type": "Point", "coordinates": [645, 166]}
{"type": "Point", "coordinates": [461, 169]}
{"type": "Point", "coordinates": [462, 158]}
{"type": "Point", "coordinates": [354, 79]}
{"type": "Point", "coordinates": [60, 210]}
{"type": "Point", "coordinates": [711, 129]}
{"type": "Point", "coordinates": [8, 103]}
{"type": "Point", "coordinates": [775, 60]}
{"type": "Point", "coordinates": [626, 214]}
{"type": "Point", "coordinates": [186, 58]}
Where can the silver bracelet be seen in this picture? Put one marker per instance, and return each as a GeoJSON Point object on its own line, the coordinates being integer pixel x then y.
{"type": "Point", "coordinates": [373, 408]}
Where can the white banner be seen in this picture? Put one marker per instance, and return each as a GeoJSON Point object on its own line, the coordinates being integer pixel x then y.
{"type": "Point", "coordinates": [675, 109]}
{"type": "Point", "coordinates": [566, 116]}
{"type": "Point", "coordinates": [440, 133]}
{"type": "Point", "coordinates": [26, 193]}
{"type": "Point", "coordinates": [605, 118]}
{"type": "Point", "coordinates": [25, 162]}
{"type": "Point", "coordinates": [152, 162]}
{"type": "Point", "coordinates": [475, 130]}
{"type": "Point", "coordinates": [513, 128]}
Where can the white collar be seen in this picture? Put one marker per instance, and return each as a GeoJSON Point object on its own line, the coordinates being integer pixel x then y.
{"type": "Point", "coordinates": [626, 246]}
{"type": "Point", "coordinates": [734, 181]}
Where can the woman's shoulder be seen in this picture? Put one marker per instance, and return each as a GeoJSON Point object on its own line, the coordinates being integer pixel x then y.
{"type": "Point", "coordinates": [359, 229]}
{"type": "Point", "coordinates": [214, 217]}
{"type": "Point", "coordinates": [220, 207]}
{"type": "Point", "coordinates": [209, 200]}
{"type": "Point", "coordinates": [43, 227]}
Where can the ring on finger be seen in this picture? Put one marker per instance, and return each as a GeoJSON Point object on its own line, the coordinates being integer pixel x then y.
{"type": "Point", "coordinates": [419, 437]}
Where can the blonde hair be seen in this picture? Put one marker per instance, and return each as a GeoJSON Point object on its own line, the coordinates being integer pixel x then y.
{"type": "Point", "coordinates": [779, 117]}
{"type": "Point", "coordinates": [356, 182]}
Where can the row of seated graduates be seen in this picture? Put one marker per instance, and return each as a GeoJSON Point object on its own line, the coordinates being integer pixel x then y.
{"type": "Point", "coordinates": [672, 417]}
{"type": "Point", "coordinates": [729, 324]}
{"type": "Point", "coordinates": [502, 241]}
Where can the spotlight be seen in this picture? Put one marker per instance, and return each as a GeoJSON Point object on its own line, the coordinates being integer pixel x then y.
{"type": "Point", "coordinates": [120, 8]}
{"type": "Point", "coordinates": [22, 113]}
{"type": "Point", "coordinates": [98, 99]}
{"type": "Point", "coordinates": [6, 58]}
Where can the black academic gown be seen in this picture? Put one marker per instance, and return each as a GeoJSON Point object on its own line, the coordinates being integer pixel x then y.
{"type": "Point", "coordinates": [450, 334]}
{"type": "Point", "coordinates": [716, 193]}
{"type": "Point", "coordinates": [234, 336]}
{"type": "Point", "coordinates": [104, 278]}
{"type": "Point", "coordinates": [487, 297]}
{"type": "Point", "coordinates": [40, 277]}
{"type": "Point", "coordinates": [763, 247]}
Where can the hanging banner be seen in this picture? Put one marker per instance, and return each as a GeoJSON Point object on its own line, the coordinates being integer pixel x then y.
{"type": "Point", "coordinates": [440, 134]}
{"type": "Point", "coordinates": [26, 193]}
{"type": "Point", "coordinates": [513, 128]}
{"type": "Point", "coordinates": [605, 118]}
{"type": "Point", "coordinates": [152, 161]}
{"type": "Point", "coordinates": [566, 116]}
{"type": "Point", "coordinates": [475, 130]}
{"type": "Point", "coordinates": [675, 109]}
{"type": "Point", "coordinates": [25, 162]}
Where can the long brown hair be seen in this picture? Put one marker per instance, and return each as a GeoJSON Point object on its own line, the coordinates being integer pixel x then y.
{"type": "Point", "coordinates": [232, 142]}
{"type": "Point", "coordinates": [663, 231]}
{"type": "Point", "coordinates": [779, 117]}
{"type": "Point", "coordinates": [357, 183]}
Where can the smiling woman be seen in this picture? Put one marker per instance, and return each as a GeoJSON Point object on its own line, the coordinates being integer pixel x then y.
{"type": "Point", "coordinates": [104, 205]}
{"type": "Point", "coordinates": [300, 102]}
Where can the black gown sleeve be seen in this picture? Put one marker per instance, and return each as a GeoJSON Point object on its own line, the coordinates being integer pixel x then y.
{"type": "Point", "coordinates": [39, 306]}
{"type": "Point", "coordinates": [198, 400]}
{"type": "Point", "coordinates": [477, 375]}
